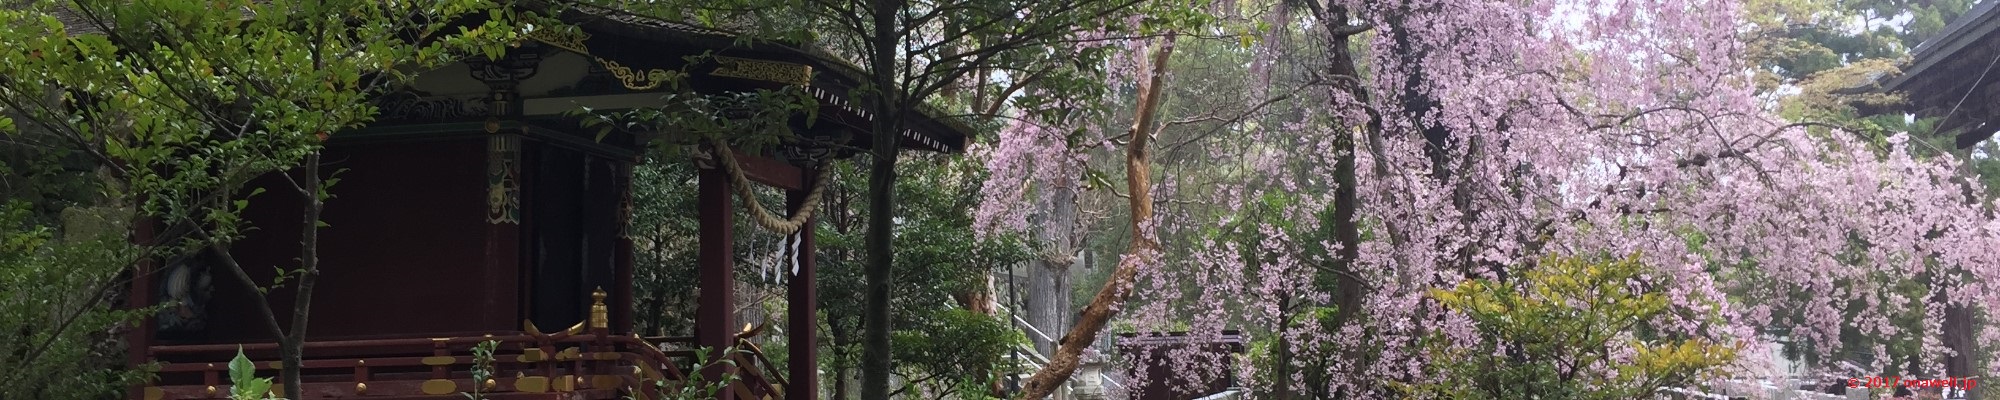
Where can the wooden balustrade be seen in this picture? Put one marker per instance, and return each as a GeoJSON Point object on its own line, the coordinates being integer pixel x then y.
{"type": "Point", "coordinates": [585, 362]}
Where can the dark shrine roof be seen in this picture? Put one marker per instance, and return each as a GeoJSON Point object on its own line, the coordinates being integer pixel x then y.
{"type": "Point", "coordinates": [1953, 76]}
{"type": "Point", "coordinates": [926, 129]}
{"type": "Point", "coordinates": [832, 84]}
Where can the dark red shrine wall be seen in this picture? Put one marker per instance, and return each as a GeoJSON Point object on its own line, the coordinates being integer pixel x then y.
{"type": "Point", "coordinates": [570, 200]}
{"type": "Point", "coordinates": [403, 253]}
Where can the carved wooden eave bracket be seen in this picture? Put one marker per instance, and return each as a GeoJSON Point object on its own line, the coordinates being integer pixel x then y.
{"type": "Point", "coordinates": [632, 78]}
{"type": "Point", "coordinates": [762, 70]}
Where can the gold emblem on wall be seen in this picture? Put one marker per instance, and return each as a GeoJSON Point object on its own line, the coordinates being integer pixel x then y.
{"type": "Point", "coordinates": [770, 71]}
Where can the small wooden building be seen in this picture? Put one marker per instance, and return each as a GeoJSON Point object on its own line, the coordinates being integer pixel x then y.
{"type": "Point", "coordinates": [1954, 76]}
{"type": "Point", "coordinates": [1152, 355]}
{"type": "Point", "coordinates": [475, 209]}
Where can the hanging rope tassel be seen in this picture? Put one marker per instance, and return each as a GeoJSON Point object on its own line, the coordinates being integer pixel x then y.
{"type": "Point", "coordinates": [765, 218]}
{"type": "Point", "coordinates": [796, 239]}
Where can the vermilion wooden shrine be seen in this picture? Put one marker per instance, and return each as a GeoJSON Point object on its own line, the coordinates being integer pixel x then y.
{"type": "Point", "coordinates": [474, 210]}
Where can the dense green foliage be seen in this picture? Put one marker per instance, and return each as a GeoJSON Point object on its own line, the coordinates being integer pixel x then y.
{"type": "Point", "coordinates": [57, 299]}
{"type": "Point", "coordinates": [1565, 329]}
{"type": "Point", "coordinates": [945, 348]}
{"type": "Point", "coordinates": [182, 103]}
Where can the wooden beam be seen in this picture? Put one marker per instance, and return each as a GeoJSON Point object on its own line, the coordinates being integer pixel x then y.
{"type": "Point", "coordinates": [770, 171]}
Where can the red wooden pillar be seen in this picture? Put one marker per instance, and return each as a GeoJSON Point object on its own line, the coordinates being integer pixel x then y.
{"type": "Point", "coordinates": [504, 304]}
{"type": "Point", "coordinates": [139, 341]}
{"type": "Point", "coordinates": [715, 315]}
{"type": "Point", "coordinates": [802, 305]}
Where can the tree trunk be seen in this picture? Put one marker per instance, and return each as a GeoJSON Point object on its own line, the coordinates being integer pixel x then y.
{"type": "Point", "coordinates": [841, 369]}
{"type": "Point", "coordinates": [1958, 336]}
{"type": "Point", "coordinates": [1281, 374]}
{"type": "Point", "coordinates": [883, 44]}
{"type": "Point", "coordinates": [292, 346]}
{"type": "Point", "coordinates": [1143, 251]}
{"type": "Point", "coordinates": [1346, 286]}
{"type": "Point", "coordinates": [1048, 301]}
{"type": "Point", "coordinates": [875, 354]}
{"type": "Point", "coordinates": [1049, 289]}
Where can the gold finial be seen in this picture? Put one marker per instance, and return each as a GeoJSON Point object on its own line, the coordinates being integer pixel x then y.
{"type": "Point", "coordinates": [600, 316]}
{"type": "Point", "coordinates": [360, 388]}
{"type": "Point", "coordinates": [211, 390]}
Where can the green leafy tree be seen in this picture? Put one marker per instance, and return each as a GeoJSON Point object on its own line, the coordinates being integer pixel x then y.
{"type": "Point", "coordinates": [1569, 328]}
{"type": "Point", "coordinates": [908, 52]}
{"type": "Point", "coordinates": [1796, 39]}
{"type": "Point", "coordinates": [942, 265]}
{"type": "Point", "coordinates": [56, 310]}
{"type": "Point", "coordinates": [951, 352]}
{"type": "Point", "coordinates": [184, 102]}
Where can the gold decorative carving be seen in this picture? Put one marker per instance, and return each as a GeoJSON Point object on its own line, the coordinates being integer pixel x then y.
{"type": "Point", "coordinates": [572, 40]}
{"type": "Point", "coordinates": [771, 71]}
{"type": "Point", "coordinates": [439, 387]}
{"type": "Point", "coordinates": [360, 388]}
{"type": "Point", "coordinates": [278, 365]}
{"type": "Point", "coordinates": [637, 79]}
{"type": "Point", "coordinates": [531, 354]}
{"type": "Point", "coordinates": [490, 383]}
{"type": "Point", "coordinates": [567, 354]}
{"type": "Point", "coordinates": [503, 188]}
{"type": "Point", "coordinates": [567, 39]}
{"type": "Point", "coordinates": [605, 381]}
{"type": "Point", "coordinates": [440, 360]}
{"type": "Point", "coordinates": [600, 315]}
{"type": "Point", "coordinates": [531, 384]}
{"type": "Point", "coordinates": [211, 390]}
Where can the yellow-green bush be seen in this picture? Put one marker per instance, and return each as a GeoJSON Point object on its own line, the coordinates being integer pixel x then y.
{"type": "Point", "coordinates": [1565, 328]}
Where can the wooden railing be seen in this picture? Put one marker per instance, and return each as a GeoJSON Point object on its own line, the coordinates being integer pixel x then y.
{"type": "Point", "coordinates": [586, 362]}
{"type": "Point", "coordinates": [593, 365]}
{"type": "Point", "coordinates": [757, 378]}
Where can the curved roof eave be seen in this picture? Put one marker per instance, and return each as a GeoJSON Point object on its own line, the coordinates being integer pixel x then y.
{"type": "Point", "coordinates": [930, 126]}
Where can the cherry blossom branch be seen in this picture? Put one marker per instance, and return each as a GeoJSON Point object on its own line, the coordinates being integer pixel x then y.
{"type": "Point", "coordinates": [1143, 250]}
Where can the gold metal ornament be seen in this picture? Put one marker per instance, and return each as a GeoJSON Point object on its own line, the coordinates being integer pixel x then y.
{"type": "Point", "coordinates": [636, 79]}
{"type": "Point", "coordinates": [600, 315]}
